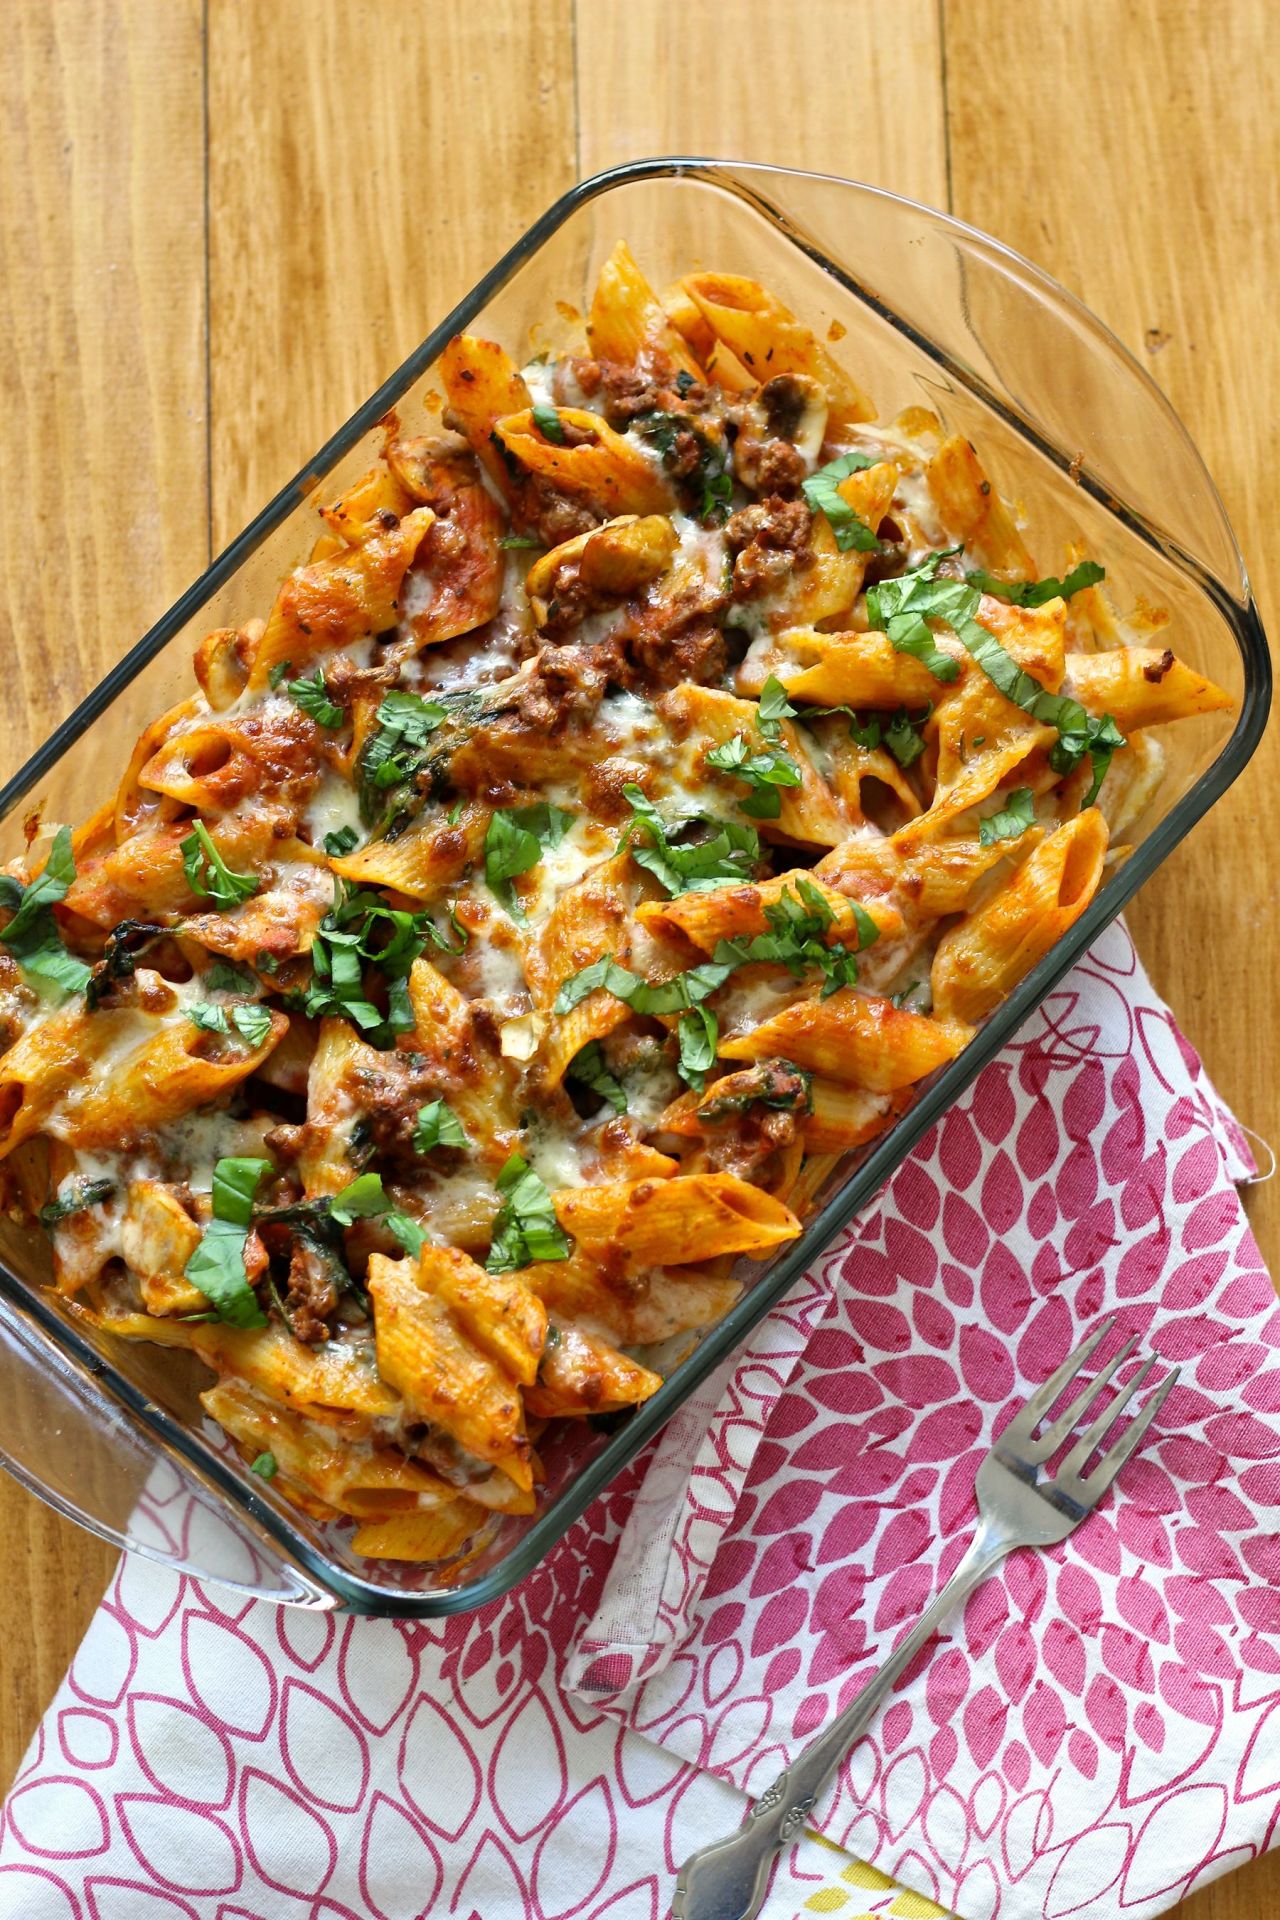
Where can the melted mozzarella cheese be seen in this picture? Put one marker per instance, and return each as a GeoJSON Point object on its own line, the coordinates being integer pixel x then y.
{"type": "Point", "coordinates": [334, 804]}
{"type": "Point", "coordinates": [537, 376]}
{"type": "Point", "coordinates": [556, 1158]}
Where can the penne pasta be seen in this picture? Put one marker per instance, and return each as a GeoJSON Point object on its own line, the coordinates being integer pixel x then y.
{"type": "Point", "coordinates": [767, 340]}
{"type": "Point", "coordinates": [693, 1217]}
{"type": "Point", "coordinates": [596, 465]}
{"type": "Point", "coordinates": [967, 501]}
{"type": "Point", "coordinates": [981, 961]}
{"type": "Point", "coordinates": [656, 769]}
{"type": "Point", "coordinates": [1142, 686]}
{"type": "Point", "coordinates": [856, 1038]}
{"type": "Point", "coordinates": [627, 322]}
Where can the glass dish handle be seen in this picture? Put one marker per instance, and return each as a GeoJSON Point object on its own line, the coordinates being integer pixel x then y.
{"type": "Point", "coordinates": [80, 1454]}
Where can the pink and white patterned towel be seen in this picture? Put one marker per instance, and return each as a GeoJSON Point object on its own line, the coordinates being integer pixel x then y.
{"type": "Point", "coordinates": [1097, 1733]}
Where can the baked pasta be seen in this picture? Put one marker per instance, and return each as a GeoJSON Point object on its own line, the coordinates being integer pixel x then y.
{"type": "Point", "coordinates": [646, 782]}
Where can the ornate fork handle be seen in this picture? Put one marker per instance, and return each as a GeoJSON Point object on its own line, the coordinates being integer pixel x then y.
{"type": "Point", "coordinates": [727, 1880]}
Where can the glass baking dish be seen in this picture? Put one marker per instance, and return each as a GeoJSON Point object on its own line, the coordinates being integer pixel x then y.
{"type": "Point", "coordinates": [933, 313]}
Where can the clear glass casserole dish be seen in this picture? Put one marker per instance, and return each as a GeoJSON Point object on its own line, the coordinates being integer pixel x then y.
{"type": "Point", "coordinates": [933, 313]}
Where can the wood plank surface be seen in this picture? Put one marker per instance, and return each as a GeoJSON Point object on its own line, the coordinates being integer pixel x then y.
{"type": "Point", "coordinates": [730, 82]}
{"type": "Point", "coordinates": [351, 209]}
{"type": "Point", "coordinates": [1130, 147]}
{"type": "Point", "coordinates": [1148, 198]}
{"type": "Point", "coordinates": [103, 471]}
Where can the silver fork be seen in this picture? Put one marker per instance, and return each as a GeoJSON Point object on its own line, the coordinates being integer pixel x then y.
{"type": "Point", "coordinates": [1018, 1506]}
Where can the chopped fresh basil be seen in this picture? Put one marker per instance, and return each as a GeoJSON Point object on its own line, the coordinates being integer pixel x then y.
{"type": "Point", "coordinates": [822, 491]}
{"type": "Point", "coordinates": [438, 1126]}
{"type": "Point", "coordinates": [208, 873]}
{"type": "Point", "coordinates": [697, 1038]}
{"type": "Point", "coordinates": [525, 1227]}
{"type": "Point", "coordinates": [903, 738]}
{"type": "Point", "coordinates": [32, 935]}
{"type": "Point", "coordinates": [1034, 593]}
{"type": "Point", "coordinates": [728, 853]}
{"type": "Point", "coordinates": [642, 996]}
{"type": "Point", "coordinates": [361, 1199]}
{"type": "Point", "coordinates": [277, 673]}
{"type": "Point", "coordinates": [359, 931]}
{"type": "Point", "coordinates": [684, 382]}
{"type": "Point", "coordinates": [396, 750]}
{"type": "Point", "coordinates": [1012, 821]}
{"type": "Point", "coordinates": [235, 1185]}
{"type": "Point", "coordinates": [224, 977]}
{"type": "Point", "coordinates": [340, 842]}
{"type": "Point", "coordinates": [511, 541]}
{"type": "Point", "coordinates": [264, 1466]}
{"type": "Point", "coordinates": [1098, 738]}
{"type": "Point", "coordinates": [547, 421]}
{"type": "Point", "coordinates": [591, 1069]}
{"type": "Point", "coordinates": [1079, 732]}
{"type": "Point", "coordinates": [901, 607]}
{"type": "Point", "coordinates": [253, 1024]}
{"type": "Point", "coordinates": [216, 1266]}
{"type": "Point", "coordinates": [79, 1196]}
{"type": "Point", "coordinates": [900, 732]}
{"type": "Point", "coordinates": [313, 697]}
{"type": "Point", "coordinates": [45, 890]}
{"type": "Point", "coordinates": [49, 960]}
{"type": "Point", "coordinates": [515, 841]}
{"type": "Point", "coordinates": [798, 922]}
{"type": "Point", "coordinates": [406, 1231]}
{"type": "Point", "coordinates": [774, 708]}
{"type": "Point", "coordinates": [455, 812]}
{"type": "Point", "coordinates": [211, 1019]}
{"type": "Point", "coordinates": [320, 1222]}
{"type": "Point", "coordinates": [763, 772]}
{"type": "Point", "coordinates": [717, 497]}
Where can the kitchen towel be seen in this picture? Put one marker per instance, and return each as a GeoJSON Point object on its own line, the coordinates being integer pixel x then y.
{"type": "Point", "coordinates": [1096, 1733]}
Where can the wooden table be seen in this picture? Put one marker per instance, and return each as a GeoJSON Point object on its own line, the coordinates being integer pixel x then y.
{"type": "Point", "coordinates": [223, 223]}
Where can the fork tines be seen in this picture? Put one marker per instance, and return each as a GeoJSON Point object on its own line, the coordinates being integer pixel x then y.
{"type": "Point", "coordinates": [1033, 1449]}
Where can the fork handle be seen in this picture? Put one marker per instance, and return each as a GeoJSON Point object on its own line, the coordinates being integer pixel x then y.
{"type": "Point", "coordinates": [727, 1880]}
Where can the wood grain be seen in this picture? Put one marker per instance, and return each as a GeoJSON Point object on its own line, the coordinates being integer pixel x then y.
{"type": "Point", "coordinates": [857, 92]}
{"type": "Point", "coordinates": [351, 209]}
{"type": "Point", "coordinates": [102, 452]}
{"type": "Point", "coordinates": [104, 477]}
{"type": "Point", "coordinates": [1132, 148]}
{"type": "Point", "coordinates": [1148, 198]}
{"type": "Point", "coordinates": [1150, 208]}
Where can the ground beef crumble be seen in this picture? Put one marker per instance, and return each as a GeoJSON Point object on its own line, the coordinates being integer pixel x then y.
{"type": "Point", "coordinates": [655, 661]}
{"type": "Point", "coordinates": [403, 1081]}
{"type": "Point", "coordinates": [745, 1145]}
{"type": "Point", "coordinates": [312, 1297]}
{"type": "Point", "coordinates": [564, 684]}
{"type": "Point", "coordinates": [553, 516]}
{"type": "Point", "coordinates": [624, 394]}
{"type": "Point", "coordinates": [770, 540]}
{"type": "Point", "coordinates": [769, 466]}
